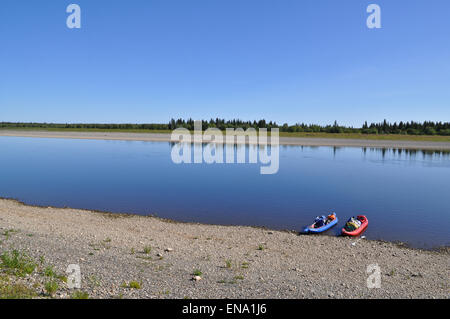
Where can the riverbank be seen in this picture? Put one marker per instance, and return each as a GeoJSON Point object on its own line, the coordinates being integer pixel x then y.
{"type": "Point", "coordinates": [127, 256]}
{"type": "Point", "coordinates": [424, 143]}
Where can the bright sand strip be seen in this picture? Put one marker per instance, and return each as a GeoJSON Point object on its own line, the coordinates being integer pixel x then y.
{"type": "Point", "coordinates": [299, 141]}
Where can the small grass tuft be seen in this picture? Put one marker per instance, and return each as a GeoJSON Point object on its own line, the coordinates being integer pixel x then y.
{"type": "Point", "coordinates": [197, 272]}
{"type": "Point", "coordinates": [49, 272]}
{"type": "Point", "coordinates": [132, 285]}
{"type": "Point", "coordinates": [79, 295]}
{"type": "Point", "coordinates": [51, 287]}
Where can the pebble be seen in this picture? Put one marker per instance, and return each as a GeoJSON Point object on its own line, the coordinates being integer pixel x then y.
{"type": "Point", "coordinates": [197, 278]}
{"type": "Point", "coordinates": [169, 250]}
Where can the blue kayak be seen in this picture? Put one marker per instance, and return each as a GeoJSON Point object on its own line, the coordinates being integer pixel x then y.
{"type": "Point", "coordinates": [315, 230]}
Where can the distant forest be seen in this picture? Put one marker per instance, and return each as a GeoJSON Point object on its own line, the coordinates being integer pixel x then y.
{"type": "Point", "coordinates": [405, 128]}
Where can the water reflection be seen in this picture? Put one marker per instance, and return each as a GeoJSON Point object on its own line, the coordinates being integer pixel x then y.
{"type": "Point", "coordinates": [399, 152]}
{"type": "Point", "coordinates": [386, 153]}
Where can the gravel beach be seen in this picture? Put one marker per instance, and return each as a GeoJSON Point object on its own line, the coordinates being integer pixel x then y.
{"type": "Point", "coordinates": [127, 256]}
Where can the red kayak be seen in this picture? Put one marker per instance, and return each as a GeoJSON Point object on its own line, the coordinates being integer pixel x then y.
{"type": "Point", "coordinates": [364, 222]}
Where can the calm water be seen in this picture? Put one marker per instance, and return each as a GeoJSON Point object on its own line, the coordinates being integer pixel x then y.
{"type": "Point", "coordinates": [406, 195]}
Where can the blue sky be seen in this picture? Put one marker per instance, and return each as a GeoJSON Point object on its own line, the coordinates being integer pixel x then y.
{"type": "Point", "coordinates": [142, 61]}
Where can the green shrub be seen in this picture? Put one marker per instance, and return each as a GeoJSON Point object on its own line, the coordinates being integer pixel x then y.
{"type": "Point", "coordinates": [17, 263]}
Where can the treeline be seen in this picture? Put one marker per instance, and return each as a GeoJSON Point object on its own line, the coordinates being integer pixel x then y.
{"type": "Point", "coordinates": [409, 128]}
{"type": "Point", "coordinates": [405, 128]}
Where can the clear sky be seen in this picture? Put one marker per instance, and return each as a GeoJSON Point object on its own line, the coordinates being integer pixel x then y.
{"type": "Point", "coordinates": [141, 61]}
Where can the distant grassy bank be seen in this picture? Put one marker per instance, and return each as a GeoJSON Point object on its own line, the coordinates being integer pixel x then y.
{"type": "Point", "coordinates": [60, 129]}
{"type": "Point", "coordinates": [433, 131]}
{"type": "Point", "coordinates": [359, 136]}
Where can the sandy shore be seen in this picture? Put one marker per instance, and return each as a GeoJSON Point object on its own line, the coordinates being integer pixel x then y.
{"type": "Point", "coordinates": [157, 137]}
{"type": "Point", "coordinates": [235, 262]}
